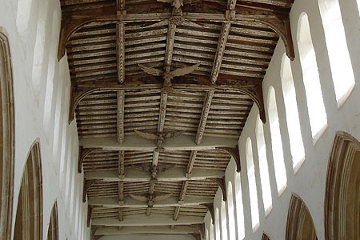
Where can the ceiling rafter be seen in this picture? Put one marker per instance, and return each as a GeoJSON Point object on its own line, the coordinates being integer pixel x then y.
{"type": "Point", "coordinates": [179, 230]}
{"type": "Point", "coordinates": [74, 20]}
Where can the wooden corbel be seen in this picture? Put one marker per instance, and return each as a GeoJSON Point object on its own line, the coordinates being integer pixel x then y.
{"type": "Point", "coordinates": [83, 153]}
{"type": "Point", "coordinates": [89, 214]}
{"type": "Point", "coordinates": [87, 185]}
{"type": "Point", "coordinates": [222, 185]}
{"type": "Point", "coordinates": [210, 207]}
{"type": "Point", "coordinates": [234, 152]}
{"type": "Point", "coordinates": [75, 99]}
{"type": "Point", "coordinates": [265, 237]}
{"type": "Point", "coordinates": [197, 236]}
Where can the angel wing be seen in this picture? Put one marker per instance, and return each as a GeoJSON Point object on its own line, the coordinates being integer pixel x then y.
{"type": "Point", "coordinates": [146, 135]}
{"type": "Point", "coordinates": [162, 197]}
{"type": "Point", "coordinates": [172, 134]}
{"type": "Point", "coordinates": [139, 197]}
{"type": "Point", "coordinates": [183, 71]}
{"type": "Point", "coordinates": [165, 1]}
{"type": "Point", "coordinates": [150, 70]}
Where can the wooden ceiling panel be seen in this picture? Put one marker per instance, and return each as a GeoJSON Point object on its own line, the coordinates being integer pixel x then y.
{"type": "Point", "coordinates": [161, 91]}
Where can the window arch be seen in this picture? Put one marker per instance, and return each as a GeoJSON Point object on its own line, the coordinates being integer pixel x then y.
{"type": "Point", "coordinates": [53, 232]}
{"type": "Point", "coordinates": [263, 166]}
{"type": "Point", "coordinates": [341, 68]}
{"type": "Point", "coordinates": [292, 113]}
{"type": "Point", "coordinates": [299, 224]}
{"type": "Point", "coordinates": [231, 211]}
{"type": "Point", "coordinates": [7, 142]}
{"type": "Point", "coordinates": [28, 222]}
{"type": "Point", "coordinates": [276, 142]}
{"type": "Point", "coordinates": [254, 205]}
{"type": "Point", "coordinates": [342, 203]}
{"type": "Point", "coordinates": [239, 207]}
{"type": "Point", "coordinates": [311, 79]}
{"type": "Point", "coordinates": [224, 228]}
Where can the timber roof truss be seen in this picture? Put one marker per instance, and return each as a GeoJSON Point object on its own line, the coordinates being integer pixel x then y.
{"type": "Point", "coordinates": [161, 90]}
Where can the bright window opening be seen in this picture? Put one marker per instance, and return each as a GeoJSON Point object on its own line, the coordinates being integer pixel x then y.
{"type": "Point", "coordinates": [39, 50]}
{"type": "Point", "coordinates": [292, 114]}
{"type": "Point", "coordinates": [224, 228]}
{"type": "Point", "coordinates": [341, 68]}
{"type": "Point", "coordinates": [254, 205]}
{"type": "Point", "coordinates": [263, 166]}
{"type": "Point", "coordinates": [211, 235]}
{"type": "Point", "coordinates": [276, 143]}
{"type": "Point", "coordinates": [239, 207]}
{"type": "Point", "coordinates": [314, 97]}
{"type": "Point", "coordinates": [23, 15]}
{"type": "Point", "coordinates": [231, 212]}
{"type": "Point", "coordinates": [217, 224]}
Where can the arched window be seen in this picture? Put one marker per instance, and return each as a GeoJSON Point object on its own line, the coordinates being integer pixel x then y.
{"type": "Point", "coordinates": [276, 143]}
{"type": "Point", "coordinates": [292, 113]}
{"type": "Point", "coordinates": [239, 207]}
{"type": "Point", "coordinates": [263, 166]}
{"type": "Point", "coordinates": [7, 141]}
{"type": "Point", "coordinates": [217, 224]}
{"type": "Point", "coordinates": [28, 223]}
{"type": "Point", "coordinates": [342, 202]}
{"type": "Point", "coordinates": [254, 205]}
{"type": "Point", "coordinates": [341, 68]}
{"type": "Point", "coordinates": [299, 224]}
{"type": "Point", "coordinates": [40, 41]}
{"type": "Point", "coordinates": [53, 232]}
{"type": "Point", "coordinates": [231, 211]}
{"type": "Point", "coordinates": [224, 228]}
{"type": "Point", "coordinates": [311, 79]}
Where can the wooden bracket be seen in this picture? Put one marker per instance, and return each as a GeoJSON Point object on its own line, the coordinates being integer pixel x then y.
{"type": "Point", "coordinates": [265, 237]}
{"type": "Point", "coordinates": [256, 94]}
{"type": "Point", "coordinates": [210, 207]}
{"type": "Point", "coordinates": [281, 25]}
{"type": "Point", "coordinates": [197, 236]}
{"type": "Point", "coordinates": [87, 185]}
{"type": "Point", "coordinates": [75, 99]}
{"type": "Point", "coordinates": [234, 152]}
{"type": "Point", "coordinates": [222, 185]}
{"type": "Point", "coordinates": [89, 214]}
{"type": "Point", "coordinates": [83, 153]}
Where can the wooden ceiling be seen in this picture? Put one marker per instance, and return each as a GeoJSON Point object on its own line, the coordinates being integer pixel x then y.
{"type": "Point", "coordinates": [161, 90]}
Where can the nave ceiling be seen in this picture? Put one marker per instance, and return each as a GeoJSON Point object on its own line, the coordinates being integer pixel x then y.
{"type": "Point", "coordinates": [160, 91]}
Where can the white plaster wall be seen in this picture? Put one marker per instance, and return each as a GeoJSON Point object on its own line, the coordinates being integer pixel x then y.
{"type": "Point", "coordinates": [309, 182]}
{"type": "Point", "coordinates": [41, 96]}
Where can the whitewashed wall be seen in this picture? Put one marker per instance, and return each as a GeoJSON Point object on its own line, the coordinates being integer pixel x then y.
{"type": "Point", "coordinates": [41, 95]}
{"type": "Point", "coordinates": [309, 181]}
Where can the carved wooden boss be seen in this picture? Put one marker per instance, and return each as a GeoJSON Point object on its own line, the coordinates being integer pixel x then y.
{"type": "Point", "coordinates": [161, 91]}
